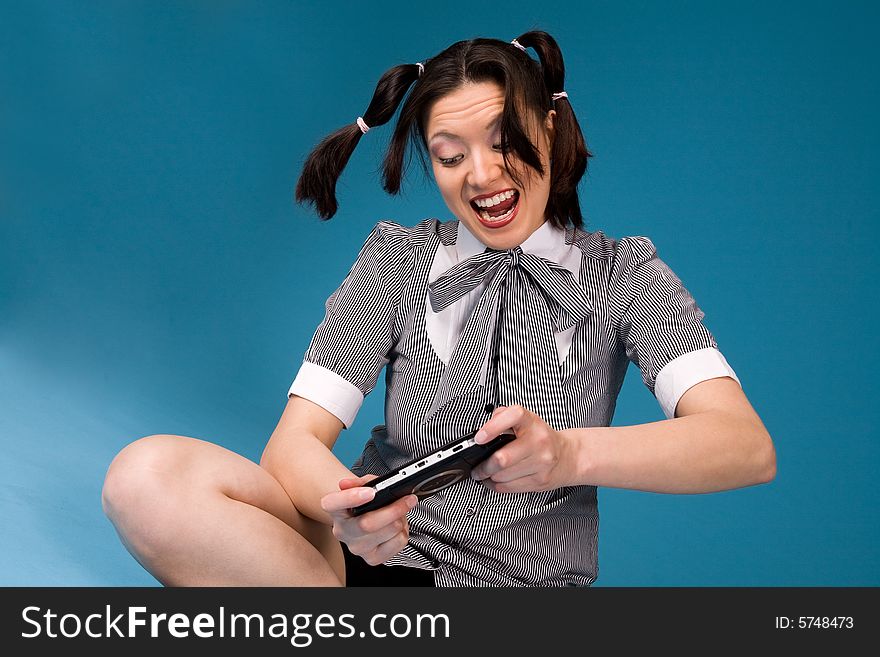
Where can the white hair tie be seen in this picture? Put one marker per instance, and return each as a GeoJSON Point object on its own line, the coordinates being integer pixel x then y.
{"type": "Point", "coordinates": [421, 68]}
{"type": "Point", "coordinates": [559, 94]}
{"type": "Point", "coordinates": [362, 125]}
{"type": "Point", "coordinates": [518, 45]}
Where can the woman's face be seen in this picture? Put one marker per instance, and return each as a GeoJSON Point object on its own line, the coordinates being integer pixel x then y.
{"type": "Point", "coordinates": [464, 141]}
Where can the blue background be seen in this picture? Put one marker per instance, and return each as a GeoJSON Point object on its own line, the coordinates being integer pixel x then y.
{"type": "Point", "coordinates": [155, 276]}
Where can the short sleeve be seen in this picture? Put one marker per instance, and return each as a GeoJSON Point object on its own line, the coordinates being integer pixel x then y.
{"type": "Point", "coordinates": [352, 344]}
{"type": "Point", "coordinates": [660, 325]}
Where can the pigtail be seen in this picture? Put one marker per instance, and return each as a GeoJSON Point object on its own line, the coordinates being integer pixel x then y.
{"type": "Point", "coordinates": [324, 165]}
{"type": "Point", "coordinates": [569, 153]}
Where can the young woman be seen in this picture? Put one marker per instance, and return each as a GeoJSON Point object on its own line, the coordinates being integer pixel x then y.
{"type": "Point", "coordinates": [511, 317]}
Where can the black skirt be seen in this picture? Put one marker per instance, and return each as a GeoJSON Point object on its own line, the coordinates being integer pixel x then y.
{"type": "Point", "coordinates": [359, 573]}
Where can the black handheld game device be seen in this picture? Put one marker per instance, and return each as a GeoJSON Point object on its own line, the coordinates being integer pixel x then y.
{"type": "Point", "coordinates": [429, 474]}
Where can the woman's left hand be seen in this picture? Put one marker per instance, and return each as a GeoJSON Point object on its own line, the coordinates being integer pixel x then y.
{"type": "Point", "coordinates": [540, 458]}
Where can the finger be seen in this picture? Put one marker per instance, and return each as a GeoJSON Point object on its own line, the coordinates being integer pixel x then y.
{"type": "Point", "coordinates": [348, 484]}
{"type": "Point", "coordinates": [339, 503]}
{"type": "Point", "coordinates": [529, 484]}
{"type": "Point", "coordinates": [354, 482]}
{"type": "Point", "coordinates": [526, 468]}
{"type": "Point", "coordinates": [503, 419]}
{"type": "Point", "coordinates": [365, 544]}
{"type": "Point", "coordinates": [388, 549]}
{"type": "Point", "coordinates": [373, 521]}
{"type": "Point", "coordinates": [508, 456]}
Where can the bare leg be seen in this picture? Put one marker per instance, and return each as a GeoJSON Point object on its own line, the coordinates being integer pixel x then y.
{"type": "Point", "coordinates": [196, 514]}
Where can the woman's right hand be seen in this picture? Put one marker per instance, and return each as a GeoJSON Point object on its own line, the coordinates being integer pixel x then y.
{"type": "Point", "coordinates": [375, 536]}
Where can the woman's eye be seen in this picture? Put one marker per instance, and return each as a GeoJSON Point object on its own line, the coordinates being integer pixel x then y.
{"type": "Point", "coordinates": [449, 161]}
{"type": "Point", "coordinates": [501, 147]}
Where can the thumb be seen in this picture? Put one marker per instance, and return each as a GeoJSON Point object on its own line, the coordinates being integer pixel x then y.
{"type": "Point", "coordinates": [354, 482]}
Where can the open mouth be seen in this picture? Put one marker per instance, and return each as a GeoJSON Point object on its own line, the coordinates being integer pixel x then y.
{"type": "Point", "coordinates": [498, 210]}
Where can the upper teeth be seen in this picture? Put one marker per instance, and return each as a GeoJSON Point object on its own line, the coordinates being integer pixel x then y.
{"type": "Point", "coordinates": [495, 200]}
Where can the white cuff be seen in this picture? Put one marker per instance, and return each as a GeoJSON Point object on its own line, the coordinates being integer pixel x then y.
{"type": "Point", "coordinates": [328, 390]}
{"type": "Point", "coordinates": [682, 373]}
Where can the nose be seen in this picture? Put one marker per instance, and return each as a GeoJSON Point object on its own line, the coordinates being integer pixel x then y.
{"type": "Point", "coordinates": [487, 166]}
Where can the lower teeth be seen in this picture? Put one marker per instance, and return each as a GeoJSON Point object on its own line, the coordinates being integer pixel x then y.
{"type": "Point", "coordinates": [488, 217]}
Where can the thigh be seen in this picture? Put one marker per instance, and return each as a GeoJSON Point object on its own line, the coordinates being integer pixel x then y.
{"type": "Point", "coordinates": [185, 468]}
{"type": "Point", "coordinates": [182, 463]}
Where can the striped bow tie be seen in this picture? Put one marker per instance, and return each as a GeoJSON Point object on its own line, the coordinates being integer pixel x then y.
{"type": "Point", "coordinates": [507, 348]}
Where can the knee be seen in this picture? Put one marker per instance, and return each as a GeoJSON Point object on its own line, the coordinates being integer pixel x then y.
{"type": "Point", "coordinates": [142, 473]}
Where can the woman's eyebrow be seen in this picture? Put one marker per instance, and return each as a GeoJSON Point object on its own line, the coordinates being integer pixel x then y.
{"type": "Point", "coordinates": [494, 122]}
{"type": "Point", "coordinates": [492, 125]}
{"type": "Point", "coordinates": [444, 134]}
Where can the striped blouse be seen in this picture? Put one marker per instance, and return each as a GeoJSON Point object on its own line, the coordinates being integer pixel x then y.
{"type": "Point", "coordinates": [381, 316]}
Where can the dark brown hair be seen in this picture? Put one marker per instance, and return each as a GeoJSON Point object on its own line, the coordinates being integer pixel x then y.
{"type": "Point", "coordinates": [528, 87]}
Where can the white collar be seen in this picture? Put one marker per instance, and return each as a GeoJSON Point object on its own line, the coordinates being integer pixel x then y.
{"type": "Point", "coordinates": [547, 242]}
